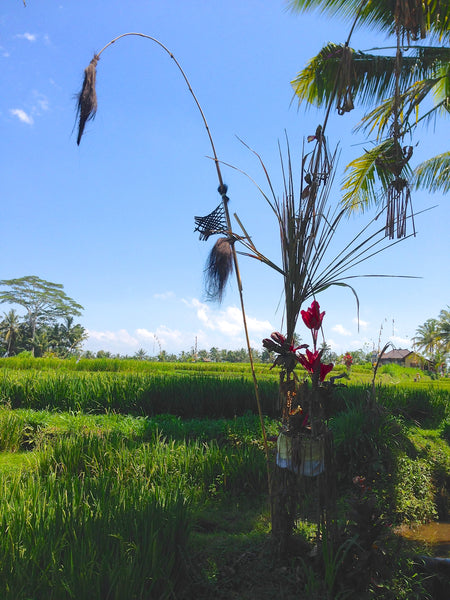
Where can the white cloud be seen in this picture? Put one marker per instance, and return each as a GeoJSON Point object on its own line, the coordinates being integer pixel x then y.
{"type": "Point", "coordinates": [340, 329]}
{"type": "Point", "coordinates": [171, 338]}
{"type": "Point", "coordinates": [40, 102]}
{"type": "Point", "coordinates": [145, 334]}
{"type": "Point", "coordinates": [164, 296]}
{"type": "Point", "coordinates": [228, 321]}
{"type": "Point", "coordinates": [22, 115]}
{"type": "Point", "coordinates": [207, 327]}
{"type": "Point", "coordinates": [31, 37]}
{"type": "Point", "coordinates": [168, 338]}
{"type": "Point", "coordinates": [362, 324]}
{"type": "Point", "coordinates": [400, 342]}
{"type": "Point", "coordinates": [121, 337]}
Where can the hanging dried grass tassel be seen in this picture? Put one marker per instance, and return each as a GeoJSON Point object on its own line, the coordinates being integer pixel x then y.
{"type": "Point", "coordinates": [410, 14]}
{"type": "Point", "coordinates": [87, 98]}
{"type": "Point", "coordinates": [344, 93]}
{"type": "Point", "coordinates": [398, 199]}
{"type": "Point", "coordinates": [219, 267]}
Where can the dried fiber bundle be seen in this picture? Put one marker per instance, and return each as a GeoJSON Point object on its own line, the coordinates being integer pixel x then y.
{"type": "Point", "coordinates": [410, 15]}
{"type": "Point", "coordinates": [344, 91]}
{"type": "Point", "coordinates": [398, 202]}
{"type": "Point", "coordinates": [219, 267]}
{"type": "Point", "coordinates": [87, 98]}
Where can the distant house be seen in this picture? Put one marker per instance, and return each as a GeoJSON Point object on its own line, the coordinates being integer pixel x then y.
{"type": "Point", "coordinates": [406, 358]}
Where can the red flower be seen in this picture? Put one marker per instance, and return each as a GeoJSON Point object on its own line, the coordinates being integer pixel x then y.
{"type": "Point", "coordinates": [312, 363]}
{"type": "Point", "coordinates": [324, 370]}
{"type": "Point", "coordinates": [312, 317]}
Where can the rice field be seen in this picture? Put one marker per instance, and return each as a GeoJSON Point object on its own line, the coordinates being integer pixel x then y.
{"type": "Point", "coordinates": [106, 474]}
{"type": "Point", "coordinates": [101, 506]}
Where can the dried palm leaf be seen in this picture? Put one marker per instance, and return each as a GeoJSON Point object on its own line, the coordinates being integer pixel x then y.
{"type": "Point", "coordinates": [307, 225]}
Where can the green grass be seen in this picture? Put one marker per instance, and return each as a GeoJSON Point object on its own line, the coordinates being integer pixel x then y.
{"type": "Point", "coordinates": [194, 390]}
{"type": "Point", "coordinates": [145, 505]}
{"type": "Point", "coordinates": [103, 506]}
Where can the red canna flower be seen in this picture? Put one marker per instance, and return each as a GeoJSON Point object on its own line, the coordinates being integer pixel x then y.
{"type": "Point", "coordinates": [312, 317]}
{"type": "Point", "coordinates": [324, 370]}
{"type": "Point", "coordinates": [311, 361]}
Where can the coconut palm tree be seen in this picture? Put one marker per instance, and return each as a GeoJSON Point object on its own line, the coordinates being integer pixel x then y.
{"type": "Point", "coordinates": [141, 354]}
{"type": "Point", "coordinates": [444, 330]}
{"type": "Point", "coordinates": [426, 338]}
{"type": "Point", "coordinates": [10, 328]}
{"type": "Point", "coordinates": [399, 85]}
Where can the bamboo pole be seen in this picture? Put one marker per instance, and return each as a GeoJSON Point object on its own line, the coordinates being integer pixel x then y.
{"type": "Point", "coordinates": [222, 190]}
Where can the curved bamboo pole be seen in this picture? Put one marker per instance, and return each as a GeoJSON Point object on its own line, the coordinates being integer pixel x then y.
{"type": "Point", "coordinates": [222, 190]}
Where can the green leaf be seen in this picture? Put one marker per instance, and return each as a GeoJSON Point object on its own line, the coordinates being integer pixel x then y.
{"type": "Point", "coordinates": [434, 174]}
{"type": "Point", "coordinates": [360, 183]}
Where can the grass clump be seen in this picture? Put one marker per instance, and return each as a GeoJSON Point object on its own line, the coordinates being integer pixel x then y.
{"type": "Point", "coordinates": [91, 501]}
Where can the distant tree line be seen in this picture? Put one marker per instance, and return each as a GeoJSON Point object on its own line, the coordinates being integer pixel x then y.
{"type": "Point", "coordinates": [215, 354]}
{"type": "Point", "coordinates": [212, 355]}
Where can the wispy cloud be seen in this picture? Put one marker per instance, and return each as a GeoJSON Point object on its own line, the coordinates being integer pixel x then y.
{"type": "Point", "coordinates": [208, 327]}
{"type": "Point", "coordinates": [30, 37]}
{"type": "Point", "coordinates": [164, 296]}
{"type": "Point", "coordinates": [22, 116]}
{"type": "Point", "coordinates": [120, 337]}
{"type": "Point", "coordinates": [401, 342]}
{"type": "Point", "coordinates": [166, 337]}
{"type": "Point", "coordinates": [123, 342]}
{"type": "Point", "coordinates": [362, 324]}
{"type": "Point", "coordinates": [39, 104]}
{"type": "Point", "coordinates": [340, 329]}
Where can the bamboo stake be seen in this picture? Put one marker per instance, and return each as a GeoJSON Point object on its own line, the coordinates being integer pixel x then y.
{"type": "Point", "coordinates": [225, 199]}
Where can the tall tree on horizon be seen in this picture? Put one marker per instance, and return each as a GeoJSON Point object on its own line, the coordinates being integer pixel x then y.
{"type": "Point", "coordinates": [44, 302]}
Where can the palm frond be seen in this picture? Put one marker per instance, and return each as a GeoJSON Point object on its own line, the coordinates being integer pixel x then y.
{"type": "Point", "coordinates": [434, 174]}
{"type": "Point", "coordinates": [434, 20]}
{"type": "Point", "coordinates": [371, 77]}
{"type": "Point", "coordinates": [442, 88]}
{"type": "Point", "coordinates": [380, 117]}
{"type": "Point", "coordinates": [360, 183]}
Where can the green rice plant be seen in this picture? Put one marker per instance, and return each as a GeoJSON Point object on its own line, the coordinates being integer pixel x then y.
{"type": "Point", "coordinates": [188, 396]}
{"type": "Point", "coordinates": [204, 466]}
{"type": "Point", "coordinates": [193, 393]}
{"type": "Point", "coordinates": [332, 563]}
{"type": "Point", "coordinates": [13, 431]}
{"type": "Point", "coordinates": [424, 403]}
{"type": "Point", "coordinates": [414, 491]}
{"type": "Point", "coordinates": [66, 536]}
{"type": "Point", "coordinates": [366, 441]}
{"type": "Point", "coordinates": [117, 365]}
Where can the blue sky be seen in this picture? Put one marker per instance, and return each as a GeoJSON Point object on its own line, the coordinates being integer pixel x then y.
{"type": "Point", "coordinates": [113, 219]}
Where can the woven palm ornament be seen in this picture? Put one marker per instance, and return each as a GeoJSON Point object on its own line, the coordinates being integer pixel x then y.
{"type": "Point", "coordinates": [211, 224]}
